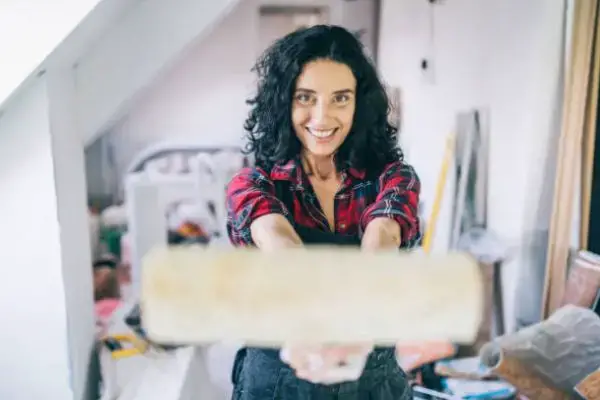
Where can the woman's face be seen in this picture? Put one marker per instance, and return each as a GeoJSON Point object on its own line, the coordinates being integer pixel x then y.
{"type": "Point", "coordinates": [323, 106]}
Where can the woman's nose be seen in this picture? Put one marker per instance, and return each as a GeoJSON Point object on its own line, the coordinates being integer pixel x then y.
{"type": "Point", "coordinates": [320, 112]}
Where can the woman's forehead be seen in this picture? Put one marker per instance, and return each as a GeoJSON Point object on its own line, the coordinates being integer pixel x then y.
{"type": "Point", "coordinates": [326, 76]}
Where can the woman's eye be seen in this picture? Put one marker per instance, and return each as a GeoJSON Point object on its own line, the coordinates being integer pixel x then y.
{"type": "Point", "coordinates": [303, 98]}
{"type": "Point", "coordinates": [341, 98]}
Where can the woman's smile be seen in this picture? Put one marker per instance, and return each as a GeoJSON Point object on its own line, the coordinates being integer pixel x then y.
{"type": "Point", "coordinates": [322, 135]}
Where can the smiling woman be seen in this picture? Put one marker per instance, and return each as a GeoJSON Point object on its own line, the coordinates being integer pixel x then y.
{"type": "Point", "coordinates": [323, 106]}
{"type": "Point", "coordinates": [328, 171]}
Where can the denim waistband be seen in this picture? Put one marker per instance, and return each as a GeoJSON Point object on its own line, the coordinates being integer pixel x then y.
{"type": "Point", "coordinates": [378, 357]}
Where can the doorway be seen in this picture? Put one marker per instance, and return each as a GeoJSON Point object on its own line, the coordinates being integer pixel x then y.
{"type": "Point", "coordinates": [275, 22]}
{"type": "Point", "coordinates": [593, 224]}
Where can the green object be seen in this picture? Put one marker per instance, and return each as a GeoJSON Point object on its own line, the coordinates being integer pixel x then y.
{"type": "Point", "coordinates": [111, 239]}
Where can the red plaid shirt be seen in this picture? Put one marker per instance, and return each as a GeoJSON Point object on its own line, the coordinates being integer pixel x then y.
{"type": "Point", "coordinates": [394, 194]}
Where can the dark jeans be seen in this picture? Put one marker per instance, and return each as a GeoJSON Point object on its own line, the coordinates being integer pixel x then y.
{"type": "Point", "coordinates": [261, 375]}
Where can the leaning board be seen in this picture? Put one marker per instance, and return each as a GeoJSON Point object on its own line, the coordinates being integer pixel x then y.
{"type": "Point", "coordinates": [198, 295]}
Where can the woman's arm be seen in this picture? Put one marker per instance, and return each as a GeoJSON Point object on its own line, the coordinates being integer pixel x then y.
{"type": "Point", "coordinates": [255, 216]}
{"type": "Point", "coordinates": [392, 220]}
{"type": "Point", "coordinates": [381, 234]}
{"type": "Point", "coordinates": [274, 231]}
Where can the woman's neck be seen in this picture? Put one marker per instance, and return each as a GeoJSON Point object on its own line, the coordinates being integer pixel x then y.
{"type": "Point", "coordinates": [322, 168]}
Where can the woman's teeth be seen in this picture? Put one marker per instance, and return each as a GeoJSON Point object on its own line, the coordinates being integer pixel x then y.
{"type": "Point", "coordinates": [321, 133]}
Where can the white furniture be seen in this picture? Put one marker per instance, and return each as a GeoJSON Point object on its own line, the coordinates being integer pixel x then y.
{"type": "Point", "coordinates": [159, 177]}
{"type": "Point", "coordinates": [168, 173]}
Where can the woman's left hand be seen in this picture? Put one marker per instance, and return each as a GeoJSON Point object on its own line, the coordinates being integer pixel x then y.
{"type": "Point", "coordinates": [381, 234]}
{"type": "Point", "coordinates": [327, 364]}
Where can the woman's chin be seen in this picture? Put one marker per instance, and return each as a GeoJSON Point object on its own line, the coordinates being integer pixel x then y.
{"type": "Point", "coordinates": [323, 150]}
{"type": "Point", "coordinates": [321, 154]}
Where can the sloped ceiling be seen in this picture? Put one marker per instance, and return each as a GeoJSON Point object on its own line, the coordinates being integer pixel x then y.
{"type": "Point", "coordinates": [116, 48]}
{"type": "Point", "coordinates": [31, 30]}
{"type": "Point", "coordinates": [135, 52]}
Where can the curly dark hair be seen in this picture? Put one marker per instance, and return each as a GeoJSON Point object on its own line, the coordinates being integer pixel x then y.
{"type": "Point", "coordinates": [372, 141]}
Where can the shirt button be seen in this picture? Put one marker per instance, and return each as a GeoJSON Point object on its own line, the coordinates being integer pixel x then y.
{"type": "Point", "coordinates": [342, 226]}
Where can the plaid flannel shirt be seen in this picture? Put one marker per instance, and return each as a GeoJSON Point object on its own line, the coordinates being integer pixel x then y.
{"type": "Point", "coordinates": [394, 194]}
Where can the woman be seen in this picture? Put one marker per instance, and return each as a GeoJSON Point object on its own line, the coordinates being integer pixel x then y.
{"type": "Point", "coordinates": [328, 170]}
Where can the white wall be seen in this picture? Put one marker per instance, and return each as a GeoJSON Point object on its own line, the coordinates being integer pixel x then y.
{"type": "Point", "coordinates": [35, 354]}
{"type": "Point", "coordinates": [202, 98]}
{"type": "Point", "coordinates": [47, 317]}
{"type": "Point", "coordinates": [501, 55]}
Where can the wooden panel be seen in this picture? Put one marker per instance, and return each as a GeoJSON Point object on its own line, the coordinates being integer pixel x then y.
{"type": "Point", "coordinates": [589, 388]}
{"type": "Point", "coordinates": [569, 152]}
{"type": "Point", "coordinates": [583, 282]}
{"type": "Point", "coordinates": [196, 295]}
{"type": "Point", "coordinates": [589, 139]}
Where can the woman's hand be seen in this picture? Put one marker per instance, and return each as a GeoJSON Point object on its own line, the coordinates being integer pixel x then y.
{"type": "Point", "coordinates": [412, 355]}
{"type": "Point", "coordinates": [330, 364]}
{"type": "Point", "coordinates": [327, 364]}
{"type": "Point", "coordinates": [381, 234]}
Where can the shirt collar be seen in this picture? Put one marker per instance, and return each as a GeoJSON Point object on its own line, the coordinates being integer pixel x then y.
{"type": "Point", "coordinates": [287, 171]}
{"type": "Point", "coordinates": [291, 171]}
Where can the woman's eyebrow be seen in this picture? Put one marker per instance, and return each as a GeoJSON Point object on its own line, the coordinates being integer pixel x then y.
{"type": "Point", "coordinates": [341, 91]}
{"type": "Point", "coordinates": [305, 90]}
{"type": "Point", "coordinates": [344, 91]}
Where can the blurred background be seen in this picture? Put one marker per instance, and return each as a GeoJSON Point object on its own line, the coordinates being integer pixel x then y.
{"type": "Point", "coordinates": [125, 119]}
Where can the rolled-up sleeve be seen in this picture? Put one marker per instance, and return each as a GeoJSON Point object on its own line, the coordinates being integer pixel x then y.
{"type": "Point", "coordinates": [398, 199]}
{"type": "Point", "coordinates": [250, 195]}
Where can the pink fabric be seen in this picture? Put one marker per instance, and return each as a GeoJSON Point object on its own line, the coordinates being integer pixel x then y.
{"type": "Point", "coordinates": [104, 310]}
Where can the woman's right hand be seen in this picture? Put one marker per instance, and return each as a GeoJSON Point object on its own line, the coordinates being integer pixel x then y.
{"type": "Point", "coordinates": [301, 358]}
{"type": "Point", "coordinates": [327, 364]}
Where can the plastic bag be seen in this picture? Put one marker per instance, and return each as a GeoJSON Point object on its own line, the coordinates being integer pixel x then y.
{"type": "Point", "coordinates": [484, 245]}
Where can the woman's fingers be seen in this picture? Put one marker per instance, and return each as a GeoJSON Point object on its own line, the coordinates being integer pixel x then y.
{"type": "Point", "coordinates": [327, 364]}
{"type": "Point", "coordinates": [335, 355]}
{"type": "Point", "coordinates": [415, 354]}
{"type": "Point", "coordinates": [301, 357]}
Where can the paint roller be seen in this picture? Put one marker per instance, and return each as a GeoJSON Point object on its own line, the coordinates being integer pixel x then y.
{"type": "Point", "coordinates": [198, 295]}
